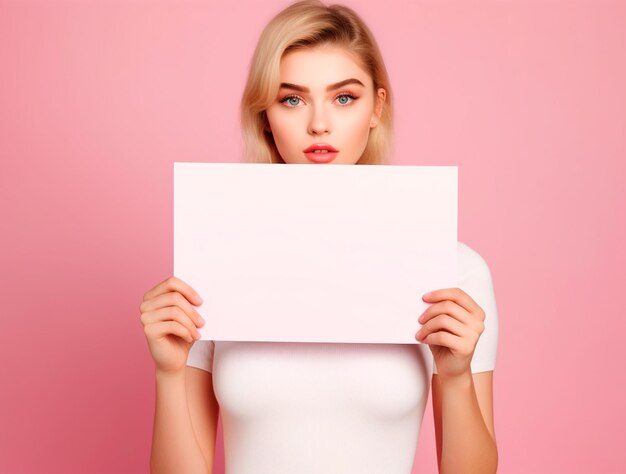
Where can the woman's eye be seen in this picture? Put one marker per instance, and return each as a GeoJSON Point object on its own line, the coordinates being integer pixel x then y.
{"type": "Point", "coordinates": [345, 96]}
{"type": "Point", "coordinates": [291, 100]}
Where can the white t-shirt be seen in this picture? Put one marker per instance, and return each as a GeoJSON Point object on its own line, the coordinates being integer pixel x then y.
{"type": "Point", "coordinates": [333, 407]}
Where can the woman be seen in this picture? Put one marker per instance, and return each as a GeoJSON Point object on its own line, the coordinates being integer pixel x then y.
{"type": "Point", "coordinates": [317, 81]}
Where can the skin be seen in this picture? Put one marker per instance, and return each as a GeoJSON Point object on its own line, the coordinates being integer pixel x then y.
{"type": "Point", "coordinates": [187, 410]}
{"type": "Point", "coordinates": [462, 401]}
{"type": "Point", "coordinates": [342, 117]}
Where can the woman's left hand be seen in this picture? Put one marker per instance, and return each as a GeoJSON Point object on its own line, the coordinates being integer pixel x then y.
{"type": "Point", "coordinates": [451, 327]}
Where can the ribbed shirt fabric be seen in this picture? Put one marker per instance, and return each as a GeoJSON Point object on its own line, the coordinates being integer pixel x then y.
{"type": "Point", "coordinates": [333, 407]}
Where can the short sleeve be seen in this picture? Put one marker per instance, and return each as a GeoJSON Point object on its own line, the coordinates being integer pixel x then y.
{"type": "Point", "coordinates": [201, 355]}
{"type": "Point", "coordinates": [475, 279]}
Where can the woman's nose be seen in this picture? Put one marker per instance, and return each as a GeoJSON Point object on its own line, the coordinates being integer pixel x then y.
{"type": "Point", "coordinates": [319, 123]}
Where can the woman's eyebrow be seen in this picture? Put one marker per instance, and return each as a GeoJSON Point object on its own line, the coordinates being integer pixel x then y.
{"type": "Point", "coordinates": [286, 85]}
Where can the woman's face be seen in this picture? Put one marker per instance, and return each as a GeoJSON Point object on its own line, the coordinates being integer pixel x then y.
{"type": "Point", "coordinates": [316, 105]}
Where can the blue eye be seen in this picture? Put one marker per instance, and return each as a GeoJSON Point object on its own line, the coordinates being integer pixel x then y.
{"type": "Point", "coordinates": [347, 96]}
{"type": "Point", "coordinates": [289, 98]}
{"type": "Point", "coordinates": [295, 98]}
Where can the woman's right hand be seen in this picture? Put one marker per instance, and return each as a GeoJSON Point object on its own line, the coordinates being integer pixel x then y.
{"type": "Point", "coordinates": [170, 323]}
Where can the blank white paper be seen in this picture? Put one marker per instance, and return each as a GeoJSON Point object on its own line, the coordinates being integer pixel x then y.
{"type": "Point", "coordinates": [314, 253]}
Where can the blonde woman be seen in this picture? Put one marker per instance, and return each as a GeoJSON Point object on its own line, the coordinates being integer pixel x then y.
{"type": "Point", "coordinates": [318, 93]}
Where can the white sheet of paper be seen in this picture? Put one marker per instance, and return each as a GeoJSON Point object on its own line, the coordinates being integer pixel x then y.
{"type": "Point", "coordinates": [314, 253]}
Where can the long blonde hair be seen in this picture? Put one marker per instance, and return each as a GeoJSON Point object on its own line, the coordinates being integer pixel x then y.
{"type": "Point", "coordinates": [307, 24]}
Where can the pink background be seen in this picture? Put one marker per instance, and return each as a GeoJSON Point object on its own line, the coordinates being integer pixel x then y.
{"type": "Point", "coordinates": [97, 99]}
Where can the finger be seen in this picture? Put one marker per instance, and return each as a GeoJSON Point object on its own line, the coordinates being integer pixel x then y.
{"type": "Point", "coordinates": [163, 328]}
{"type": "Point", "coordinates": [174, 284]}
{"type": "Point", "coordinates": [454, 294]}
{"type": "Point", "coordinates": [445, 307]}
{"type": "Point", "coordinates": [446, 323]}
{"type": "Point", "coordinates": [445, 339]}
{"type": "Point", "coordinates": [173, 299]}
{"type": "Point", "coordinates": [170, 313]}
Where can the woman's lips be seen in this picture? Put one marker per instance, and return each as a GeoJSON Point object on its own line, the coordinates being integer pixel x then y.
{"type": "Point", "coordinates": [321, 157]}
{"type": "Point", "coordinates": [320, 153]}
{"type": "Point", "coordinates": [320, 146]}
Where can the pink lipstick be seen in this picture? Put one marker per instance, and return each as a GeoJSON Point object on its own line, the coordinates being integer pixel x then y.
{"type": "Point", "coordinates": [320, 153]}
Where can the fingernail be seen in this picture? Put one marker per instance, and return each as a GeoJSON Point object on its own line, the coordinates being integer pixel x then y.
{"type": "Point", "coordinates": [200, 300]}
{"type": "Point", "coordinates": [201, 320]}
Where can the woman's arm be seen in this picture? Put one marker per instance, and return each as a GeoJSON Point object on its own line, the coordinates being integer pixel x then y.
{"type": "Point", "coordinates": [174, 444]}
{"type": "Point", "coordinates": [204, 410]}
{"type": "Point", "coordinates": [464, 427]}
{"type": "Point", "coordinates": [462, 401]}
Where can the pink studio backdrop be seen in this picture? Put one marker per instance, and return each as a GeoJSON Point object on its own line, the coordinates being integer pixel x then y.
{"type": "Point", "coordinates": [97, 99]}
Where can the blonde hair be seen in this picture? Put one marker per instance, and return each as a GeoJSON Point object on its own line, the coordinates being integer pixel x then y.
{"type": "Point", "coordinates": [307, 24]}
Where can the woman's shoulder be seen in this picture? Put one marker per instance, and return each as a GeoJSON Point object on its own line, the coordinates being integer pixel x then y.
{"type": "Point", "coordinates": [475, 279]}
{"type": "Point", "coordinates": [471, 263]}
